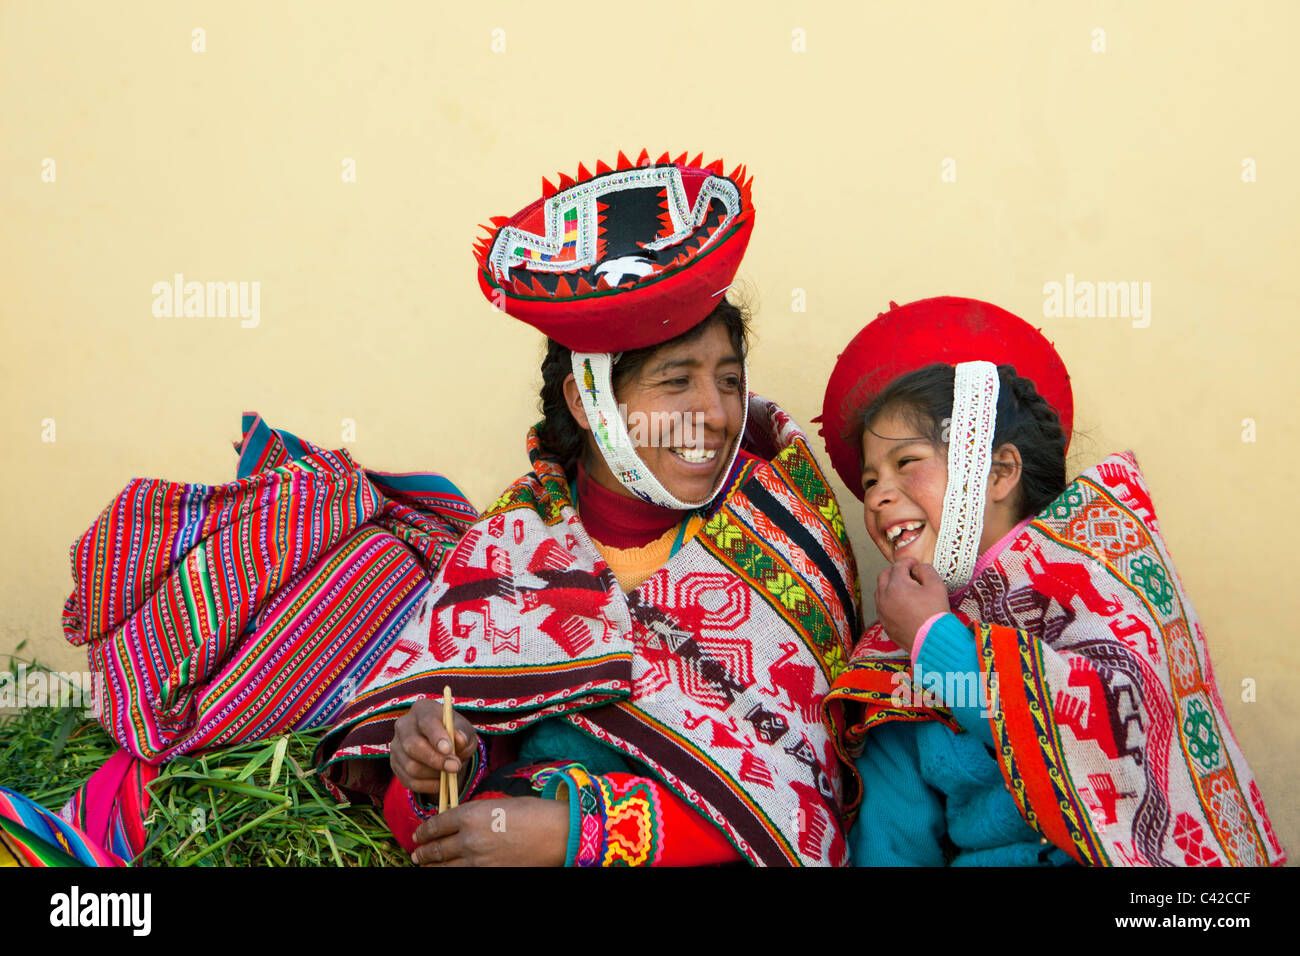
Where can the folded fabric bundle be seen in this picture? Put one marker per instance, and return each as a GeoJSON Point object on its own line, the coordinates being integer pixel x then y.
{"type": "Point", "coordinates": [217, 614]}
{"type": "Point", "coordinates": [220, 613]}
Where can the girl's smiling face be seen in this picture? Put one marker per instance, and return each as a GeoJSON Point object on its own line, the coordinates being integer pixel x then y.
{"type": "Point", "coordinates": [904, 477]}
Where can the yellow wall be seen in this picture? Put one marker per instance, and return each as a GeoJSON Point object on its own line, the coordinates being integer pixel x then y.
{"type": "Point", "coordinates": [225, 165]}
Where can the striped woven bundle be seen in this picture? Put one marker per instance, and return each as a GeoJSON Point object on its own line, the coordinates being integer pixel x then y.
{"type": "Point", "coordinates": [32, 836]}
{"type": "Point", "coordinates": [215, 614]}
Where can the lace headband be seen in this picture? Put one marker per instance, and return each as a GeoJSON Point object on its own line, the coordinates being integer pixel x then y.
{"type": "Point", "coordinates": [970, 459]}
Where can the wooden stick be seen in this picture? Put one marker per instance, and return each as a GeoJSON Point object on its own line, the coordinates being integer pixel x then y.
{"type": "Point", "coordinates": [442, 774]}
{"type": "Point", "coordinates": [453, 779]}
{"type": "Point", "coordinates": [442, 791]}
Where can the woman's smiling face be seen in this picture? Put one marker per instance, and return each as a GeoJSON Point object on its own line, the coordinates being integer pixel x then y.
{"type": "Point", "coordinates": [688, 399]}
{"type": "Point", "coordinates": [904, 477]}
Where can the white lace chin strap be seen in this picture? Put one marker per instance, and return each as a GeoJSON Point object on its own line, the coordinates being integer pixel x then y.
{"type": "Point", "coordinates": [970, 459]}
{"type": "Point", "coordinates": [593, 372]}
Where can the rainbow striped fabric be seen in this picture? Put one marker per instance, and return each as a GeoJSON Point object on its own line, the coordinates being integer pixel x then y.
{"type": "Point", "coordinates": [215, 614]}
{"type": "Point", "coordinates": [32, 836]}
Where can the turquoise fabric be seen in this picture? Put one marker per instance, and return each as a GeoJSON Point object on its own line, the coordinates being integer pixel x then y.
{"type": "Point", "coordinates": [920, 780]}
{"type": "Point", "coordinates": [948, 653]}
{"type": "Point", "coordinates": [557, 739]}
{"type": "Point", "coordinates": [901, 822]}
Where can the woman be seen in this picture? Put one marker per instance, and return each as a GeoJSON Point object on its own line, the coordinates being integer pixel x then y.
{"type": "Point", "coordinates": [1038, 690]}
{"type": "Point", "coordinates": [643, 626]}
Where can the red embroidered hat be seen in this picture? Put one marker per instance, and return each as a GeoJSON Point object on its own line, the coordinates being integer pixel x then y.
{"type": "Point", "coordinates": [909, 337]}
{"type": "Point", "coordinates": [621, 258]}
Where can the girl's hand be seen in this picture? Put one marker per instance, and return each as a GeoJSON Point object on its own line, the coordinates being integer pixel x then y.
{"type": "Point", "coordinates": [907, 595]}
{"type": "Point", "coordinates": [421, 748]}
{"type": "Point", "coordinates": [514, 831]}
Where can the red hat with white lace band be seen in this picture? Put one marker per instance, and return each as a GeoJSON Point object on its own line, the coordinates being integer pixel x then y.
{"type": "Point", "coordinates": [622, 258]}
{"type": "Point", "coordinates": [975, 337]}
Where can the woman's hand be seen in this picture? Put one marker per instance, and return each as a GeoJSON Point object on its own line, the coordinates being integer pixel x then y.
{"type": "Point", "coordinates": [514, 831]}
{"type": "Point", "coordinates": [421, 748]}
{"type": "Point", "coordinates": [907, 595]}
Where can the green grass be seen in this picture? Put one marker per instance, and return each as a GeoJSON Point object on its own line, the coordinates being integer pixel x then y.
{"type": "Point", "coordinates": [253, 804]}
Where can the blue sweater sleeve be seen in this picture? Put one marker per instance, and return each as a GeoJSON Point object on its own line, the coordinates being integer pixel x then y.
{"type": "Point", "coordinates": [949, 650]}
{"type": "Point", "coordinates": [902, 819]}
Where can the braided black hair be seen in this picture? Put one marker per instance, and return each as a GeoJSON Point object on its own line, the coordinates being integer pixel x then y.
{"type": "Point", "coordinates": [923, 399]}
{"type": "Point", "coordinates": [563, 438]}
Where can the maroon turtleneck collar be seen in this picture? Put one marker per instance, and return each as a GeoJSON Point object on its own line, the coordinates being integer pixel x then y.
{"type": "Point", "coordinates": [621, 521]}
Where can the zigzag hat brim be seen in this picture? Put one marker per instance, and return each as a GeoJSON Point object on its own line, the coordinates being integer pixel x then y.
{"type": "Point", "coordinates": [622, 258]}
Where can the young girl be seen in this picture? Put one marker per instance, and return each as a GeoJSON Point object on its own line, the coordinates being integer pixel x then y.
{"type": "Point", "coordinates": [1037, 690]}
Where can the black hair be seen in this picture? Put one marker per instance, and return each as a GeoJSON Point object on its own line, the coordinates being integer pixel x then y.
{"type": "Point", "coordinates": [923, 399]}
{"type": "Point", "coordinates": [563, 438]}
